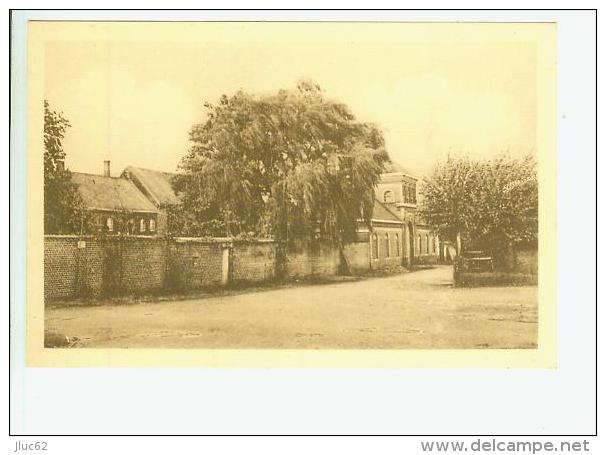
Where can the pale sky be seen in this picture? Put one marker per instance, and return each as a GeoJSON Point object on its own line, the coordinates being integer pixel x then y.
{"type": "Point", "coordinates": [132, 92]}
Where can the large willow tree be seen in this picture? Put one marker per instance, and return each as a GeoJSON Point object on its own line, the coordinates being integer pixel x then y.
{"type": "Point", "coordinates": [294, 165]}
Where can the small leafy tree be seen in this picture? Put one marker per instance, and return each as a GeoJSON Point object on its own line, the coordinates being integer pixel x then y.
{"type": "Point", "coordinates": [194, 221]}
{"type": "Point", "coordinates": [492, 203]}
{"type": "Point", "coordinates": [63, 207]}
{"type": "Point", "coordinates": [293, 165]}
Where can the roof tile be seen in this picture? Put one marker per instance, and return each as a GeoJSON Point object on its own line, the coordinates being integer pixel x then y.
{"type": "Point", "coordinates": [111, 193]}
{"type": "Point", "coordinates": [156, 183]}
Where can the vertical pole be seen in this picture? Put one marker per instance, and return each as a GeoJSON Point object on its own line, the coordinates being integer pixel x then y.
{"type": "Point", "coordinates": [369, 249]}
{"type": "Point", "coordinates": [225, 265]}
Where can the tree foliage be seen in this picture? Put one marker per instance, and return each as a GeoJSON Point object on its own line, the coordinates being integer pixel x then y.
{"type": "Point", "coordinates": [63, 207]}
{"type": "Point", "coordinates": [492, 203]}
{"type": "Point", "coordinates": [193, 221]}
{"type": "Point", "coordinates": [293, 165]}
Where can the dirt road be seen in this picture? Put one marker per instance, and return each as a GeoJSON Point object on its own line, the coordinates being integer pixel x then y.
{"type": "Point", "coordinates": [413, 310]}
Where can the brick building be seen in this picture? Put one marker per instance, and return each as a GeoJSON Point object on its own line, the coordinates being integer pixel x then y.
{"type": "Point", "coordinates": [398, 235]}
{"type": "Point", "coordinates": [115, 205]}
{"type": "Point", "coordinates": [157, 188]}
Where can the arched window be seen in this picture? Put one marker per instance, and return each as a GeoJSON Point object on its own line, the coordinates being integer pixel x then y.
{"type": "Point", "coordinates": [387, 252]}
{"type": "Point", "coordinates": [388, 196]}
{"type": "Point", "coordinates": [375, 246]}
{"type": "Point", "coordinates": [427, 243]}
{"type": "Point", "coordinates": [110, 224]}
{"type": "Point", "coordinates": [397, 245]}
{"type": "Point", "coordinates": [142, 225]}
{"type": "Point", "coordinates": [152, 225]}
{"type": "Point", "coordinates": [420, 244]}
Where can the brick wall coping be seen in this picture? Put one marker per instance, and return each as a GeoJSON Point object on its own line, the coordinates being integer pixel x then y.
{"type": "Point", "coordinates": [201, 239]}
{"type": "Point", "coordinates": [155, 237]}
{"type": "Point", "coordinates": [101, 237]}
{"type": "Point", "coordinates": [220, 240]}
{"type": "Point", "coordinates": [66, 236]}
{"type": "Point", "coordinates": [254, 241]}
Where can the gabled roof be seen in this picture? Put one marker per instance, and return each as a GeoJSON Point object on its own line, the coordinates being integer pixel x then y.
{"type": "Point", "coordinates": [381, 212]}
{"type": "Point", "coordinates": [111, 193]}
{"type": "Point", "coordinates": [155, 184]}
{"type": "Point", "coordinates": [392, 167]}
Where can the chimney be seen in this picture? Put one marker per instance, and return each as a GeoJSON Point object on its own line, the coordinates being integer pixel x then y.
{"type": "Point", "coordinates": [106, 172]}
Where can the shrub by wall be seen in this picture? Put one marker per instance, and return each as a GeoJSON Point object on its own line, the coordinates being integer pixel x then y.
{"type": "Point", "coordinates": [523, 272]}
{"type": "Point", "coordinates": [471, 279]}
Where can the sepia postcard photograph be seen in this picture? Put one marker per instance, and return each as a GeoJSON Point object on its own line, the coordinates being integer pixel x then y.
{"type": "Point", "coordinates": [315, 190]}
{"type": "Point", "coordinates": [302, 223]}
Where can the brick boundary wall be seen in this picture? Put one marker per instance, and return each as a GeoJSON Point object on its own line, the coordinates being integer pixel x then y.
{"type": "Point", "coordinates": [88, 266]}
{"type": "Point", "coordinates": [254, 261]}
{"type": "Point", "coordinates": [92, 266]}
{"type": "Point", "coordinates": [304, 260]}
{"type": "Point", "coordinates": [357, 256]}
{"type": "Point", "coordinates": [61, 265]}
{"type": "Point", "coordinates": [194, 264]}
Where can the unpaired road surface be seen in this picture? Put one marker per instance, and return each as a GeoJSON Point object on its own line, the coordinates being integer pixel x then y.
{"type": "Point", "coordinates": [419, 309]}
